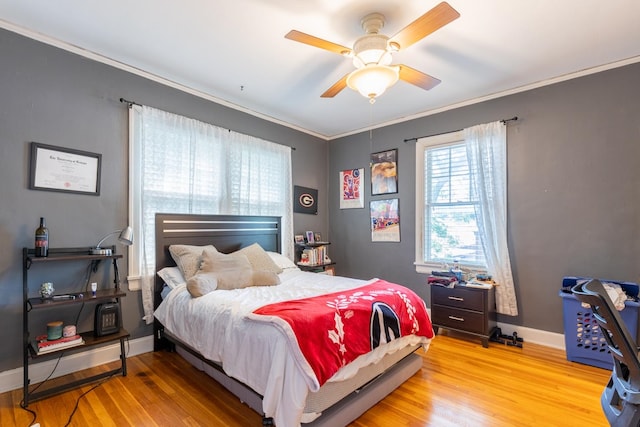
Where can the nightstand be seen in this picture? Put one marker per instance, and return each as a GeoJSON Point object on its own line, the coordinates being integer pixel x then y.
{"type": "Point", "coordinates": [464, 309]}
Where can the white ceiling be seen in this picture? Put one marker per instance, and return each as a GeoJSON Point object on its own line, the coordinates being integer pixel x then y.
{"type": "Point", "coordinates": [234, 52]}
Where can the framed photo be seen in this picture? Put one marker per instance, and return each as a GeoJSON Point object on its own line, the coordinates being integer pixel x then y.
{"type": "Point", "coordinates": [384, 172]}
{"type": "Point", "coordinates": [309, 236]}
{"type": "Point", "coordinates": [317, 237]}
{"type": "Point", "coordinates": [385, 221]}
{"type": "Point", "coordinates": [64, 169]}
{"type": "Point", "coordinates": [298, 238]}
{"type": "Point", "coordinates": [351, 194]}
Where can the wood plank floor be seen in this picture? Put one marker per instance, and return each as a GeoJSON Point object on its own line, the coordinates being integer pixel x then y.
{"type": "Point", "coordinates": [461, 384]}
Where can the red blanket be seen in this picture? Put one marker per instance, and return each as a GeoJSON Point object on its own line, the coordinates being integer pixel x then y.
{"type": "Point", "coordinates": [334, 329]}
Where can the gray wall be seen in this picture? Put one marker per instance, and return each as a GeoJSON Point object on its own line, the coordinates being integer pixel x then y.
{"type": "Point", "coordinates": [574, 181]}
{"type": "Point", "coordinates": [573, 196]}
{"type": "Point", "coordinates": [54, 97]}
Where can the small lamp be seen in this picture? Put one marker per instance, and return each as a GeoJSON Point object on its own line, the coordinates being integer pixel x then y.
{"type": "Point", "coordinates": [125, 237]}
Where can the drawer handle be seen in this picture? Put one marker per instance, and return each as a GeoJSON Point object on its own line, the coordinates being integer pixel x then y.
{"type": "Point", "coordinates": [459, 319]}
{"type": "Point", "coordinates": [456, 298]}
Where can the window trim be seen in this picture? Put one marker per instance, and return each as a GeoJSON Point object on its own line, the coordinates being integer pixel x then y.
{"type": "Point", "coordinates": [423, 144]}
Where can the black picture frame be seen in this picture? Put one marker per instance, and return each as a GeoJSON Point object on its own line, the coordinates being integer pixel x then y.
{"type": "Point", "coordinates": [384, 172]}
{"type": "Point", "coordinates": [65, 170]}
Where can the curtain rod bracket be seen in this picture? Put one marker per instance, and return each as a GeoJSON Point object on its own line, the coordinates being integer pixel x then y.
{"type": "Point", "coordinates": [129, 103]}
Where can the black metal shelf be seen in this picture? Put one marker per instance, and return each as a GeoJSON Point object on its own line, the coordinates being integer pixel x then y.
{"type": "Point", "coordinates": [75, 298]}
{"type": "Point", "coordinates": [56, 255]}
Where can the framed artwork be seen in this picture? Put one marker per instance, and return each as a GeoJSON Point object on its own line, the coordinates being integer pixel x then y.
{"type": "Point", "coordinates": [64, 169]}
{"type": "Point", "coordinates": [384, 172]}
{"type": "Point", "coordinates": [351, 194]}
{"type": "Point", "coordinates": [385, 221]}
{"type": "Point", "coordinates": [299, 239]}
{"type": "Point", "coordinates": [305, 200]}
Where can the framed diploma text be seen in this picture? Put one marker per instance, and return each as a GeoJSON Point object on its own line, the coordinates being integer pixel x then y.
{"type": "Point", "coordinates": [64, 169]}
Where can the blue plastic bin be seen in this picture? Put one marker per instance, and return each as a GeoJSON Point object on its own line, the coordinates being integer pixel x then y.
{"type": "Point", "coordinates": [584, 341]}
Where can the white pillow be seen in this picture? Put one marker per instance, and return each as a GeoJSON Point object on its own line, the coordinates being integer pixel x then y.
{"type": "Point", "coordinates": [172, 276]}
{"type": "Point", "coordinates": [282, 261]}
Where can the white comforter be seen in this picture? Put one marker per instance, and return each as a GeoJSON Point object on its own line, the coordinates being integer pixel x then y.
{"type": "Point", "coordinates": [257, 353]}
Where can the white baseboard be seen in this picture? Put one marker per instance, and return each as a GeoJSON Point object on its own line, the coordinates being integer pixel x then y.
{"type": "Point", "coordinates": [13, 379]}
{"type": "Point", "coordinates": [534, 336]}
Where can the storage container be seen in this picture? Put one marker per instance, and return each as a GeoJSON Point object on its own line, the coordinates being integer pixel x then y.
{"type": "Point", "coordinates": [584, 340]}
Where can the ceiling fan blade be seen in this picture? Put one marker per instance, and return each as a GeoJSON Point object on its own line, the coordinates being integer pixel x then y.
{"type": "Point", "coordinates": [418, 78]}
{"type": "Point", "coordinates": [336, 88]}
{"type": "Point", "coordinates": [431, 21]}
{"type": "Point", "coordinates": [317, 42]}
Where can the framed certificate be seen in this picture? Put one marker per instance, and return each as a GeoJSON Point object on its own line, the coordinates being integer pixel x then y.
{"type": "Point", "coordinates": [64, 169]}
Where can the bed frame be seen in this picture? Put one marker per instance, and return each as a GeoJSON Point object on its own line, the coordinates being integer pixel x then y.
{"type": "Point", "coordinates": [229, 233]}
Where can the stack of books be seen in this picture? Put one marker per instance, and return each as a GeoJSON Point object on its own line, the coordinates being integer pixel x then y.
{"type": "Point", "coordinates": [43, 345]}
{"type": "Point", "coordinates": [315, 256]}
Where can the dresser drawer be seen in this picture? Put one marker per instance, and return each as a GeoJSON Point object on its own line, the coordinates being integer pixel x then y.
{"type": "Point", "coordinates": [459, 297]}
{"type": "Point", "coordinates": [464, 320]}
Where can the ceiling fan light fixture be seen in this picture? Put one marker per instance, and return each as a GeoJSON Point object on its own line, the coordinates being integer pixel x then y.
{"type": "Point", "coordinates": [372, 80]}
{"type": "Point", "coordinates": [371, 49]}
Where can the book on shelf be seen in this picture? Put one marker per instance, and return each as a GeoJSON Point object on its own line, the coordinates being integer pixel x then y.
{"type": "Point", "coordinates": [315, 256]}
{"type": "Point", "coordinates": [43, 345]}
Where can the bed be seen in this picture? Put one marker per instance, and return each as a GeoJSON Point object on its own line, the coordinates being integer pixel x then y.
{"type": "Point", "coordinates": [259, 367]}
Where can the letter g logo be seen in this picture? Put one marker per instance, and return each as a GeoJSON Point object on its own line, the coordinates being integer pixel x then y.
{"type": "Point", "coordinates": [306, 200]}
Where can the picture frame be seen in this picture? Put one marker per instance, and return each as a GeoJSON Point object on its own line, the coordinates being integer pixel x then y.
{"type": "Point", "coordinates": [309, 236]}
{"type": "Point", "coordinates": [299, 239]}
{"type": "Point", "coordinates": [384, 172]}
{"type": "Point", "coordinates": [64, 170]}
{"type": "Point", "coordinates": [385, 220]}
{"type": "Point", "coordinates": [351, 191]}
{"type": "Point", "coordinates": [317, 237]}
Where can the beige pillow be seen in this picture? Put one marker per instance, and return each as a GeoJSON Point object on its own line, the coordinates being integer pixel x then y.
{"type": "Point", "coordinates": [232, 271]}
{"type": "Point", "coordinates": [259, 258]}
{"type": "Point", "coordinates": [201, 284]}
{"type": "Point", "coordinates": [188, 258]}
{"type": "Point", "coordinates": [264, 278]}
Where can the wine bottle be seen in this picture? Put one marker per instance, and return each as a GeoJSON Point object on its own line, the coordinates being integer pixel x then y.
{"type": "Point", "coordinates": [42, 239]}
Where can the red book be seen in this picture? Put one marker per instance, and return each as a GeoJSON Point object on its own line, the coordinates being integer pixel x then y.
{"type": "Point", "coordinates": [44, 345]}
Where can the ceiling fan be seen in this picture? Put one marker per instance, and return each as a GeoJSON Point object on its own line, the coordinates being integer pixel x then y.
{"type": "Point", "coordinates": [372, 53]}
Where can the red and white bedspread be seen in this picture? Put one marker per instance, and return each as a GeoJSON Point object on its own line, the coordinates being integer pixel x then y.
{"type": "Point", "coordinates": [328, 331]}
{"type": "Point", "coordinates": [221, 327]}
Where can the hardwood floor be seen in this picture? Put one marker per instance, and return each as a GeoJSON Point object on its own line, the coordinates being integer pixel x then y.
{"type": "Point", "coordinates": [461, 384]}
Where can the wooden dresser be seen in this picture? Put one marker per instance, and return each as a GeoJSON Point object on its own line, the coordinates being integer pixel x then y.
{"type": "Point", "coordinates": [464, 309]}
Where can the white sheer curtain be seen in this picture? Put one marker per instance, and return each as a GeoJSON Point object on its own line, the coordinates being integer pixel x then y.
{"type": "Point", "coordinates": [487, 155]}
{"type": "Point", "coordinates": [181, 165]}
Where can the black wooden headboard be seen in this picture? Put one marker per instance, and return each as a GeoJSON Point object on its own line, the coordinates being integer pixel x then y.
{"type": "Point", "coordinates": [227, 233]}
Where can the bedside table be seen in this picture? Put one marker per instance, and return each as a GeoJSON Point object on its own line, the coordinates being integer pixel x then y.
{"type": "Point", "coordinates": [462, 309]}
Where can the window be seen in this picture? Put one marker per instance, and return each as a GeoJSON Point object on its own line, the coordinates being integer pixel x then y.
{"type": "Point", "coordinates": [181, 165]}
{"type": "Point", "coordinates": [445, 205]}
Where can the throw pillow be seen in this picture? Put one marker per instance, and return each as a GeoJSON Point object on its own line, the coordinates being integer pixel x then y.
{"type": "Point", "coordinates": [232, 271]}
{"type": "Point", "coordinates": [188, 258]}
{"type": "Point", "coordinates": [264, 278]}
{"type": "Point", "coordinates": [259, 258]}
{"type": "Point", "coordinates": [201, 284]}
